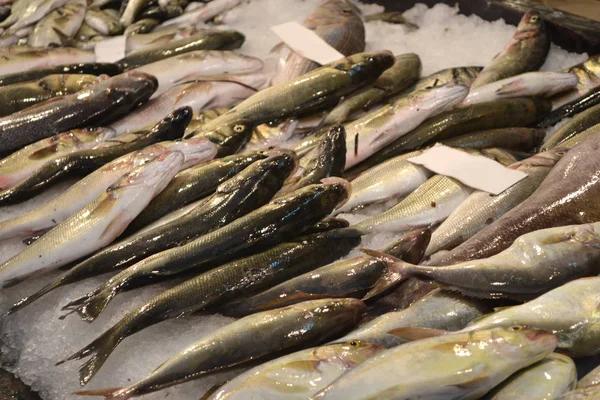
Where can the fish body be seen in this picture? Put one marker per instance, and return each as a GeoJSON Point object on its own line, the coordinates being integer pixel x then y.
{"type": "Point", "coordinates": [103, 23]}
{"type": "Point", "coordinates": [526, 51]}
{"type": "Point", "coordinates": [29, 13]}
{"type": "Point", "coordinates": [130, 10]}
{"type": "Point", "coordinates": [18, 61]}
{"type": "Point", "coordinates": [588, 393]}
{"type": "Point", "coordinates": [141, 26]}
{"type": "Point", "coordinates": [522, 139]}
{"type": "Point", "coordinates": [144, 39]}
{"type": "Point", "coordinates": [61, 23]}
{"type": "Point", "coordinates": [95, 105]}
{"type": "Point", "coordinates": [338, 23]}
{"type": "Point", "coordinates": [578, 105]}
{"type": "Point", "coordinates": [200, 14]}
{"type": "Point", "coordinates": [579, 123]}
{"type": "Point", "coordinates": [109, 69]}
{"type": "Point", "coordinates": [590, 379]}
{"type": "Point", "coordinates": [162, 13]}
{"type": "Point", "coordinates": [588, 75]}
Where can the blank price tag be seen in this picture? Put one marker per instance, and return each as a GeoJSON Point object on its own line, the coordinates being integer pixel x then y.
{"type": "Point", "coordinates": [479, 172]}
{"type": "Point", "coordinates": [110, 50]}
{"type": "Point", "coordinates": [306, 43]}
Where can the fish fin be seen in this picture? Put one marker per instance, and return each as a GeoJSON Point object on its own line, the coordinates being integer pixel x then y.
{"type": "Point", "coordinates": [25, 301]}
{"type": "Point", "coordinates": [44, 152]}
{"type": "Point", "coordinates": [95, 305]}
{"type": "Point", "coordinates": [475, 381]}
{"type": "Point", "coordinates": [113, 393]}
{"type": "Point", "coordinates": [78, 301]}
{"type": "Point", "coordinates": [412, 334]}
{"type": "Point", "coordinates": [391, 278]}
{"type": "Point", "coordinates": [514, 87]}
{"type": "Point", "coordinates": [303, 365]}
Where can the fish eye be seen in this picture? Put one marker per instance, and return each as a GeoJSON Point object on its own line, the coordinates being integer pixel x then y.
{"type": "Point", "coordinates": [535, 18]}
{"type": "Point", "coordinates": [353, 343]}
{"type": "Point", "coordinates": [239, 128]}
{"type": "Point", "coordinates": [516, 328]}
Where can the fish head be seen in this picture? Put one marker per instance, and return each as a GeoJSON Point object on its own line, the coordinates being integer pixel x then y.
{"type": "Point", "coordinates": [519, 343]}
{"type": "Point", "coordinates": [173, 125]}
{"type": "Point", "coordinates": [365, 67]}
{"type": "Point", "coordinates": [229, 39]}
{"type": "Point", "coordinates": [231, 135]}
{"type": "Point", "coordinates": [79, 81]}
{"type": "Point", "coordinates": [134, 84]}
{"type": "Point", "coordinates": [335, 192]}
{"type": "Point", "coordinates": [411, 247]}
{"type": "Point", "coordinates": [531, 21]}
{"type": "Point", "coordinates": [347, 354]}
{"type": "Point", "coordinates": [195, 150]}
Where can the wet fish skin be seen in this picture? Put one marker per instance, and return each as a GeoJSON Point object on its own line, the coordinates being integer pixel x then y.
{"type": "Point", "coordinates": [346, 278]}
{"type": "Point", "coordinates": [522, 139]}
{"type": "Point", "coordinates": [86, 161]}
{"type": "Point", "coordinates": [548, 379]}
{"type": "Point", "coordinates": [405, 71]}
{"type": "Point", "coordinates": [19, 96]}
{"type": "Point", "coordinates": [338, 23]}
{"type": "Point", "coordinates": [200, 14]}
{"type": "Point", "coordinates": [579, 123]}
{"type": "Point", "coordinates": [229, 137]}
{"type": "Point", "coordinates": [481, 209]}
{"type": "Point", "coordinates": [578, 105]}
{"type": "Point", "coordinates": [588, 74]}
{"type": "Point", "coordinates": [204, 40]}
{"type": "Point", "coordinates": [29, 13]}
{"type": "Point", "coordinates": [251, 188]}
{"type": "Point", "coordinates": [95, 105]}
{"type": "Point", "coordinates": [141, 26]}
{"type": "Point", "coordinates": [103, 23]}
{"type": "Point", "coordinates": [109, 69]}
{"type": "Point", "coordinates": [590, 379]}
{"type": "Point", "coordinates": [428, 368]}
{"type": "Point", "coordinates": [312, 322]}
{"type": "Point", "coordinates": [61, 23]}
{"type": "Point", "coordinates": [20, 59]}
{"type": "Point", "coordinates": [437, 310]}
{"type": "Point", "coordinates": [392, 17]}
{"type": "Point", "coordinates": [130, 9]}
{"type": "Point", "coordinates": [565, 197]}
{"type": "Point", "coordinates": [161, 13]}
{"type": "Point", "coordinates": [570, 311]}
{"type": "Point", "coordinates": [327, 224]}
{"type": "Point", "coordinates": [21, 164]}
{"type": "Point", "coordinates": [588, 393]}
{"type": "Point", "coordinates": [526, 51]}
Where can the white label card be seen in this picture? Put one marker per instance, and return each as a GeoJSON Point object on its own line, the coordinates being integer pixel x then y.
{"type": "Point", "coordinates": [478, 172]}
{"type": "Point", "coordinates": [307, 43]}
{"type": "Point", "coordinates": [111, 50]}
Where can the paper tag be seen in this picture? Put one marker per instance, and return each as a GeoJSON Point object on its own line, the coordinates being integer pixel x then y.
{"type": "Point", "coordinates": [478, 172]}
{"type": "Point", "coordinates": [110, 50]}
{"type": "Point", "coordinates": [307, 43]}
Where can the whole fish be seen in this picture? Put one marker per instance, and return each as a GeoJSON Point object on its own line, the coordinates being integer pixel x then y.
{"type": "Point", "coordinates": [15, 168]}
{"type": "Point", "coordinates": [394, 178]}
{"type": "Point", "coordinates": [272, 223]}
{"type": "Point", "coordinates": [109, 69]}
{"type": "Point", "coordinates": [141, 26]}
{"type": "Point", "coordinates": [492, 115]}
{"type": "Point", "coordinates": [246, 191]}
{"type": "Point", "coordinates": [338, 23]}
{"type": "Point", "coordinates": [194, 184]}
{"type": "Point", "coordinates": [204, 40]}
{"type": "Point", "coordinates": [376, 130]}
{"type": "Point", "coordinates": [570, 311]}
{"type": "Point", "coordinates": [299, 375]}
{"type": "Point", "coordinates": [96, 105]}
{"type": "Point", "coordinates": [347, 278]}
{"type": "Point", "coordinates": [19, 96]}
{"type": "Point", "coordinates": [588, 74]}
{"type": "Point", "coordinates": [535, 263]}
{"type": "Point", "coordinates": [18, 61]}
{"type": "Point", "coordinates": [565, 197]}
{"type": "Point", "coordinates": [86, 190]}
{"type": "Point", "coordinates": [103, 23]}
{"type": "Point", "coordinates": [437, 310]}
{"type": "Point", "coordinates": [481, 208]}
{"type": "Point", "coordinates": [85, 161]}
{"type": "Point", "coordinates": [392, 17]}
{"type": "Point", "coordinates": [314, 89]}
{"type": "Point", "coordinates": [197, 95]}
{"type": "Point", "coordinates": [61, 23]}
{"type": "Point", "coordinates": [97, 224]}
{"type": "Point", "coordinates": [523, 139]}
{"type": "Point", "coordinates": [200, 14]}
{"type": "Point", "coordinates": [580, 104]}
{"type": "Point", "coordinates": [590, 379]}
{"type": "Point", "coordinates": [28, 14]}
{"type": "Point", "coordinates": [130, 10]}
{"type": "Point", "coordinates": [531, 84]}
{"type": "Point", "coordinates": [453, 366]}
{"type": "Point", "coordinates": [281, 330]}
{"type": "Point", "coordinates": [526, 51]}
{"type": "Point", "coordinates": [195, 64]}
{"type": "Point", "coordinates": [548, 379]}
{"type": "Point", "coordinates": [579, 123]}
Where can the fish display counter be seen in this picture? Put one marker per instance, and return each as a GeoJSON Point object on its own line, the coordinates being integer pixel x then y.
{"type": "Point", "coordinates": [322, 199]}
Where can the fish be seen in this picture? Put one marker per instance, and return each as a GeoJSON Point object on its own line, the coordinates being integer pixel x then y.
{"type": "Point", "coordinates": [141, 26]}
{"type": "Point", "coordinates": [86, 161]}
{"type": "Point", "coordinates": [327, 224]}
{"type": "Point", "coordinates": [376, 130]}
{"type": "Point", "coordinates": [86, 190]}
{"type": "Point", "coordinates": [526, 51]}
{"type": "Point", "coordinates": [428, 368]}
{"type": "Point", "coordinates": [298, 375]}
{"type": "Point", "coordinates": [588, 393]}
{"type": "Point", "coordinates": [569, 311]}
{"type": "Point", "coordinates": [588, 74]}
{"type": "Point", "coordinates": [310, 91]}
{"type": "Point", "coordinates": [249, 189]}
{"type": "Point", "coordinates": [27, 13]}
{"type": "Point", "coordinates": [338, 23]}
{"type": "Point", "coordinates": [202, 63]}
{"type": "Point", "coordinates": [481, 208]}
{"type": "Point", "coordinates": [565, 197]}
{"type": "Point", "coordinates": [61, 23]}
{"type": "Point", "coordinates": [391, 17]}
{"type": "Point", "coordinates": [205, 39]}
{"type": "Point", "coordinates": [97, 69]}
{"type": "Point", "coordinates": [229, 137]}
{"type": "Point", "coordinates": [97, 224]}
{"type": "Point", "coordinates": [282, 331]}
{"type": "Point", "coordinates": [579, 123]}
{"type": "Point", "coordinates": [346, 278]}
{"type": "Point", "coordinates": [590, 379]}
{"type": "Point", "coordinates": [130, 10]}
{"type": "Point", "coordinates": [548, 379]}
{"type": "Point", "coordinates": [328, 160]}
{"type": "Point", "coordinates": [269, 135]}
{"type": "Point", "coordinates": [200, 14]}
{"type": "Point", "coordinates": [535, 263]}
{"type": "Point", "coordinates": [96, 105]}
{"type": "Point", "coordinates": [282, 218]}
{"type": "Point", "coordinates": [23, 60]}
{"type": "Point", "coordinates": [19, 96]}
{"type": "Point", "coordinates": [570, 109]}
{"type": "Point", "coordinates": [162, 13]}
{"type": "Point", "coordinates": [530, 84]}
{"type": "Point", "coordinates": [449, 124]}
{"type": "Point", "coordinates": [522, 139]}
{"type": "Point", "coordinates": [15, 168]}
{"type": "Point", "coordinates": [437, 310]}
{"type": "Point", "coordinates": [156, 39]}
{"type": "Point", "coordinates": [405, 71]}
{"type": "Point", "coordinates": [103, 23]}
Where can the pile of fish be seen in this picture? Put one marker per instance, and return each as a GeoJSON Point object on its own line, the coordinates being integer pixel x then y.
{"type": "Point", "coordinates": [188, 164]}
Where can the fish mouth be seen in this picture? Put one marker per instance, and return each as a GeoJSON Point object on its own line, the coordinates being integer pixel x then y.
{"type": "Point", "coordinates": [342, 184]}
{"type": "Point", "coordinates": [542, 336]}
{"type": "Point", "coordinates": [287, 155]}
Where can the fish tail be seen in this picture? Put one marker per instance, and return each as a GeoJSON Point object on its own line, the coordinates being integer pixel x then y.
{"type": "Point", "coordinates": [112, 393]}
{"type": "Point", "coordinates": [397, 272]}
{"type": "Point", "coordinates": [25, 301]}
{"type": "Point", "coordinates": [95, 305]}
{"type": "Point", "coordinates": [78, 302]}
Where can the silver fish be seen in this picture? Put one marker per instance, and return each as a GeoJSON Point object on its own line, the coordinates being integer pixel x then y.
{"type": "Point", "coordinates": [29, 13]}
{"type": "Point", "coordinates": [200, 14]}
{"type": "Point", "coordinates": [61, 23]}
{"type": "Point", "coordinates": [130, 9]}
{"type": "Point", "coordinates": [103, 23]}
{"type": "Point", "coordinates": [24, 59]}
